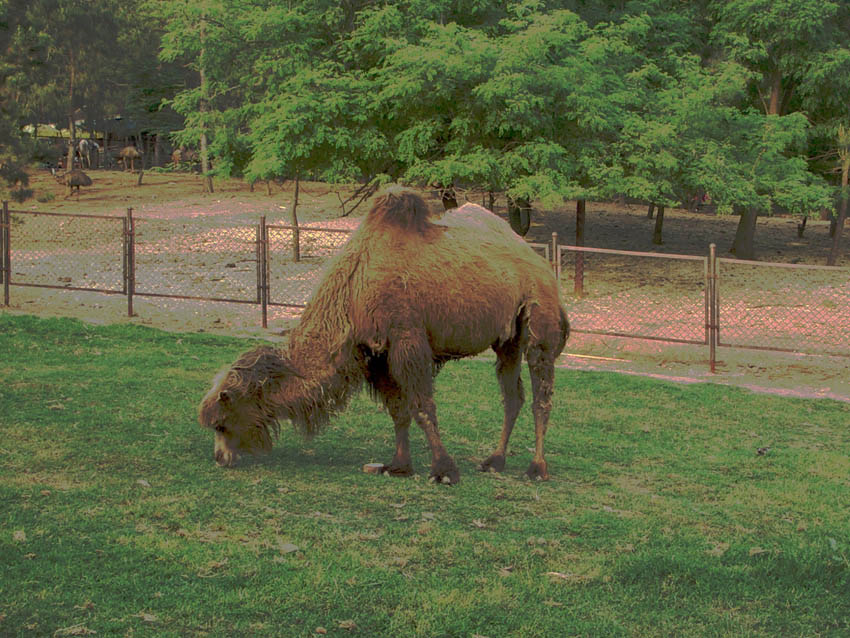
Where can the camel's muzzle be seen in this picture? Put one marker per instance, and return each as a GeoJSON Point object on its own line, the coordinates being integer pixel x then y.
{"type": "Point", "coordinates": [224, 456]}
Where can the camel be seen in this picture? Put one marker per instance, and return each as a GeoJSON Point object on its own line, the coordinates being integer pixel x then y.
{"type": "Point", "coordinates": [408, 292]}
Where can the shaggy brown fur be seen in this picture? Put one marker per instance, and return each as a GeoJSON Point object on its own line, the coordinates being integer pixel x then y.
{"type": "Point", "coordinates": [407, 293]}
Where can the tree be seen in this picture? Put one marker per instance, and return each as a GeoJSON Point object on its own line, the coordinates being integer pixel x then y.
{"type": "Point", "coordinates": [824, 94]}
{"type": "Point", "coordinates": [844, 158]}
{"type": "Point", "coordinates": [425, 107]}
{"type": "Point", "coordinates": [20, 51]}
{"type": "Point", "coordinates": [777, 41]}
{"type": "Point", "coordinates": [530, 107]}
{"type": "Point", "coordinates": [218, 70]}
{"type": "Point", "coordinates": [81, 40]}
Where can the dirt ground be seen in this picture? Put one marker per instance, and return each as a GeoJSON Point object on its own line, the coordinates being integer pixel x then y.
{"type": "Point", "coordinates": [176, 196]}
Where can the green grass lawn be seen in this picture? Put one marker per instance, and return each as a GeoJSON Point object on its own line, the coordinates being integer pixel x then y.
{"type": "Point", "coordinates": [661, 519]}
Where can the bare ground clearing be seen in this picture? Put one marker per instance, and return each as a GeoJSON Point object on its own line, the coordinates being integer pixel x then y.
{"type": "Point", "coordinates": [177, 198]}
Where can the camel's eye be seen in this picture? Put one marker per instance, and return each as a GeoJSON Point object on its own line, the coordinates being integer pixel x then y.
{"type": "Point", "coordinates": [220, 428]}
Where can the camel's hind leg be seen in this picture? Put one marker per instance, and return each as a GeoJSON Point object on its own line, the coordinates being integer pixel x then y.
{"type": "Point", "coordinates": [548, 329]}
{"type": "Point", "coordinates": [541, 367]}
{"type": "Point", "coordinates": [508, 370]}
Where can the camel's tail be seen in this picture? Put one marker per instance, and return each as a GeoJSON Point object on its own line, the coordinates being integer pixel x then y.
{"type": "Point", "coordinates": [402, 209]}
{"type": "Point", "coordinates": [565, 328]}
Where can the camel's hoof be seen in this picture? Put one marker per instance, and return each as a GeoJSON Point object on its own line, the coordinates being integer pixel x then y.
{"type": "Point", "coordinates": [445, 471]}
{"type": "Point", "coordinates": [493, 463]}
{"type": "Point", "coordinates": [397, 470]}
{"type": "Point", "coordinates": [537, 471]}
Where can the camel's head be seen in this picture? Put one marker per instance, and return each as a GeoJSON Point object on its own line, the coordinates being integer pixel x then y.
{"type": "Point", "coordinates": [239, 406]}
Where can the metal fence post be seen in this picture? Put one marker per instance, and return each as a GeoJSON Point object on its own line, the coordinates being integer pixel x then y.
{"type": "Point", "coordinates": [556, 259]}
{"type": "Point", "coordinates": [711, 326]}
{"type": "Point", "coordinates": [129, 260]}
{"type": "Point", "coordinates": [258, 254]}
{"type": "Point", "coordinates": [263, 269]}
{"type": "Point", "coordinates": [5, 250]}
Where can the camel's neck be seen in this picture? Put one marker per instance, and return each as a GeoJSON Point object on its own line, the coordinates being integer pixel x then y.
{"type": "Point", "coordinates": [320, 347]}
{"type": "Point", "coordinates": [326, 379]}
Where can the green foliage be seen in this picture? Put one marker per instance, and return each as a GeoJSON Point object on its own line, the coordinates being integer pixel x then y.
{"type": "Point", "coordinates": [660, 517]}
{"type": "Point", "coordinates": [548, 101]}
{"type": "Point", "coordinates": [14, 66]}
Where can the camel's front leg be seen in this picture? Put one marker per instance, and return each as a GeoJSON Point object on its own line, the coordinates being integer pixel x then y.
{"type": "Point", "coordinates": [443, 468]}
{"type": "Point", "coordinates": [396, 405]}
{"type": "Point", "coordinates": [411, 369]}
{"type": "Point", "coordinates": [401, 465]}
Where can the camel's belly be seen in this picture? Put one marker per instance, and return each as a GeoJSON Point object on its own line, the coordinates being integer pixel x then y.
{"type": "Point", "coordinates": [461, 328]}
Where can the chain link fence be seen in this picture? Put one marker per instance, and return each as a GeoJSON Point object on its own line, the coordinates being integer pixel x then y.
{"type": "Point", "coordinates": [783, 307]}
{"type": "Point", "coordinates": [73, 252]}
{"type": "Point", "coordinates": [296, 258]}
{"type": "Point", "coordinates": [190, 260]}
{"type": "Point", "coordinates": [274, 269]}
{"type": "Point", "coordinates": [630, 294]}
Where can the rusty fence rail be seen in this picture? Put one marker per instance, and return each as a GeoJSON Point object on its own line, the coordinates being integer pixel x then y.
{"type": "Point", "coordinates": [686, 299]}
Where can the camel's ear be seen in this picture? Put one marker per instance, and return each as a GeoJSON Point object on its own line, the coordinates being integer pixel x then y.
{"type": "Point", "coordinates": [224, 397]}
{"type": "Point", "coordinates": [283, 369]}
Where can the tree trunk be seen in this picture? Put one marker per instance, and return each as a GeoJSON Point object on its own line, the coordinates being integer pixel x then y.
{"type": "Point", "coordinates": [801, 226]}
{"type": "Point", "coordinates": [650, 211]}
{"type": "Point", "coordinates": [835, 251]}
{"type": "Point", "coordinates": [581, 210]}
{"type": "Point", "coordinates": [205, 165]}
{"type": "Point", "coordinates": [448, 197]}
{"type": "Point", "coordinates": [519, 215]}
{"type": "Point", "coordinates": [744, 245]}
{"type": "Point", "coordinates": [296, 239]}
{"type": "Point", "coordinates": [774, 107]}
{"type": "Point", "coordinates": [659, 225]}
{"type": "Point", "coordinates": [578, 281]}
{"type": "Point", "coordinates": [72, 127]}
{"type": "Point", "coordinates": [204, 107]}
